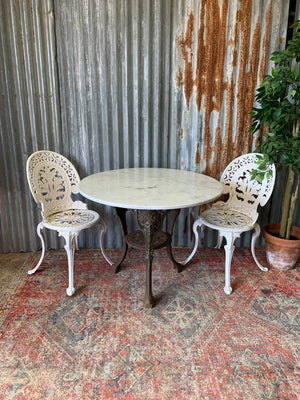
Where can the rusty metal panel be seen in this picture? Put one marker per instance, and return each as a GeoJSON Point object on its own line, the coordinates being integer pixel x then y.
{"type": "Point", "coordinates": [131, 83]}
{"type": "Point", "coordinates": [221, 53]}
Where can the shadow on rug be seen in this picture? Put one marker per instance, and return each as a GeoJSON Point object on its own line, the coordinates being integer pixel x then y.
{"type": "Point", "coordinates": [197, 343]}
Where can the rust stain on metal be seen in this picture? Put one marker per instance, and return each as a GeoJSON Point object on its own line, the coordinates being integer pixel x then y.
{"type": "Point", "coordinates": [186, 41]}
{"type": "Point", "coordinates": [227, 140]}
{"type": "Point", "coordinates": [282, 40]}
{"type": "Point", "coordinates": [230, 97]}
{"type": "Point", "coordinates": [181, 133]}
{"type": "Point", "coordinates": [197, 156]}
{"type": "Point", "coordinates": [209, 82]}
{"type": "Point", "coordinates": [235, 58]}
{"type": "Point", "coordinates": [179, 77]}
{"type": "Point", "coordinates": [242, 83]}
{"type": "Point", "coordinates": [218, 90]}
{"type": "Point", "coordinates": [251, 78]}
{"type": "Point", "coordinates": [262, 69]}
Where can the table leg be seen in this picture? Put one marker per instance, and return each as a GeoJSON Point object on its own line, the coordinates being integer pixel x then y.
{"type": "Point", "coordinates": [148, 221]}
{"type": "Point", "coordinates": [172, 215]}
{"type": "Point", "coordinates": [149, 300]}
{"type": "Point", "coordinates": [121, 214]}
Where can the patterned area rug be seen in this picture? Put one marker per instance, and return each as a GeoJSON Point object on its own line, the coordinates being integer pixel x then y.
{"type": "Point", "coordinates": [197, 343]}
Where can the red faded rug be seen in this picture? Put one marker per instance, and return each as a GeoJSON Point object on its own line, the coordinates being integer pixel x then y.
{"type": "Point", "coordinates": [197, 343]}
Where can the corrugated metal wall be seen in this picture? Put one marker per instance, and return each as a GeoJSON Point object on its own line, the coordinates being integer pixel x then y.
{"type": "Point", "coordinates": [30, 111]}
{"type": "Point", "coordinates": [128, 83]}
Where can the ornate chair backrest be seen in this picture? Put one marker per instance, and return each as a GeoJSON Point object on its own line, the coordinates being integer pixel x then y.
{"type": "Point", "coordinates": [246, 194]}
{"type": "Point", "coordinates": [52, 179]}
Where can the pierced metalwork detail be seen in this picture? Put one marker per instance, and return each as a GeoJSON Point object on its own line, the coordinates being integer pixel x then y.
{"type": "Point", "coordinates": [149, 220]}
{"type": "Point", "coordinates": [52, 180]}
{"type": "Point", "coordinates": [71, 218]}
{"type": "Point", "coordinates": [245, 193]}
{"type": "Point", "coordinates": [42, 158]}
{"type": "Point", "coordinates": [226, 218]}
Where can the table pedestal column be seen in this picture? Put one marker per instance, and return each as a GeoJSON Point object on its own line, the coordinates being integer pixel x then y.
{"type": "Point", "coordinates": [149, 222]}
{"type": "Point", "coordinates": [148, 238]}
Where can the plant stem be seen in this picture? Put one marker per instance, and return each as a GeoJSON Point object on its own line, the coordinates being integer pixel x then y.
{"type": "Point", "coordinates": [292, 208]}
{"type": "Point", "coordinates": [289, 199]}
{"type": "Point", "coordinates": [286, 203]}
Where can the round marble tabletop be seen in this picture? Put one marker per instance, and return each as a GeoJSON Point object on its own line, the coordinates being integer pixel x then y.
{"type": "Point", "coordinates": [150, 188]}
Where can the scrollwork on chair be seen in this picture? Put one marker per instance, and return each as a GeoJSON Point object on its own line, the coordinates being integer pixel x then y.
{"type": "Point", "coordinates": [52, 180]}
{"type": "Point", "coordinates": [239, 213]}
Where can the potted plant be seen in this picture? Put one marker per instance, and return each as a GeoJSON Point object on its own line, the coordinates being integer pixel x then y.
{"type": "Point", "coordinates": [277, 116]}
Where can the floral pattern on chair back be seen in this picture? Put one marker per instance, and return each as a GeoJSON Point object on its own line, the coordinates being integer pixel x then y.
{"type": "Point", "coordinates": [52, 179]}
{"type": "Point", "coordinates": [246, 194]}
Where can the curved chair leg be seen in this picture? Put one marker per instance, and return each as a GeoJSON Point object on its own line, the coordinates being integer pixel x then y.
{"type": "Point", "coordinates": [229, 249]}
{"type": "Point", "coordinates": [103, 231]}
{"type": "Point", "coordinates": [196, 224]}
{"type": "Point", "coordinates": [253, 241]}
{"type": "Point", "coordinates": [70, 238]}
{"type": "Point", "coordinates": [40, 235]}
{"type": "Point", "coordinates": [220, 239]}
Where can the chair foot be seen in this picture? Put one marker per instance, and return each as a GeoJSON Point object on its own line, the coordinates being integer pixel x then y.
{"type": "Point", "coordinates": [265, 269]}
{"type": "Point", "coordinates": [31, 271]}
{"type": "Point", "coordinates": [70, 291]}
{"type": "Point", "coordinates": [228, 290]}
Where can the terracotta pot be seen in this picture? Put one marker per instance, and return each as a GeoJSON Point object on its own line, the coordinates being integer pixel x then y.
{"type": "Point", "coordinates": [281, 253]}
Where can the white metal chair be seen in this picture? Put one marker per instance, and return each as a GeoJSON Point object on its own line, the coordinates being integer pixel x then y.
{"type": "Point", "coordinates": [239, 213]}
{"type": "Point", "coordinates": [52, 180]}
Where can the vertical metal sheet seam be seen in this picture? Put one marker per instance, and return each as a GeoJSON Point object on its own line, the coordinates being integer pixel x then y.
{"type": "Point", "coordinates": [52, 4]}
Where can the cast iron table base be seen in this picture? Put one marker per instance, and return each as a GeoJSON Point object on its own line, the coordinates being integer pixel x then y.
{"type": "Point", "coordinates": [148, 238]}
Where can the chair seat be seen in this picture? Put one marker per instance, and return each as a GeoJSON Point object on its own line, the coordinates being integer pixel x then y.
{"type": "Point", "coordinates": [71, 220]}
{"type": "Point", "coordinates": [226, 219]}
